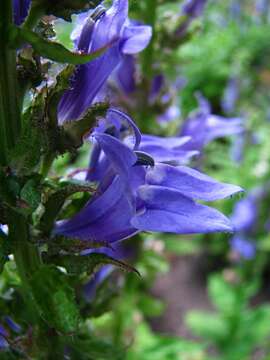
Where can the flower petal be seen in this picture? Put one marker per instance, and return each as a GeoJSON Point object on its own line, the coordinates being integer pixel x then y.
{"type": "Point", "coordinates": [190, 182]}
{"type": "Point", "coordinates": [167, 210]}
{"type": "Point", "coordinates": [136, 38]}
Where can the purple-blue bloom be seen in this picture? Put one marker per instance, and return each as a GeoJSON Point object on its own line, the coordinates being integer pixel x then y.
{"type": "Point", "coordinates": [203, 126]}
{"type": "Point", "coordinates": [132, 197]}
{"type": "Point", "coordinates": [3, 335]}
{"type": "Point", "coordinates": [110, 28]}
{"type": "Point", "coordinates": [167, 149]}
{"type": "Point", "coordinates": [20, 10]}
{"type": "Point", "coordinates": [193, 8]}
{"type": "Point", "coordinates": [231, 95]}
{"type": "Point", "coordinates": [190, 10]}
{"type": "Point", "coordinates": [244, 219]}
{"type": "Point", "coordinates": [243, 246]}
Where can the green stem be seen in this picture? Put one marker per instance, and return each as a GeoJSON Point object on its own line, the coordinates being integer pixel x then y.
{"type": "Point", "coordinates": [46, 164]}
{"type": "Point", "coordinates": [26, 254]}
{"type": "Point", "coordinates": [9, 103]}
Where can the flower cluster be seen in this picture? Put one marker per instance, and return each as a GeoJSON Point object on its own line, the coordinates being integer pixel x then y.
{"type": "Point", "coordinates": [142, 185]}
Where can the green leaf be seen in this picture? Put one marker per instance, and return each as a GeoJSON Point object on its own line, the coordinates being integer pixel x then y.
{"type": "Point", "coordinates": [89, 349]}
{"type": "Point", "coordinates": [55, 94]}
{"type": "Point", "coordinates": [52, 50]}
{"type": "Point", "coordinates": [76, 264]}
{"type": "Point", "coordinates": [223, 295]}
{"type": "Point", "coordinates": [72, 245]}
{"type": "Point", "coordinates": [56, 200]}
{"type": "Point", "coordinates": [31, 193]}
{"type": "Point", "coordinates": [210, 326]}
{"type": "Point", "coordinates": [55, 299]}
{"type": "Point", "coordinates": [27, 152]}
{"type": "Point", "coordinates": [74, 131]}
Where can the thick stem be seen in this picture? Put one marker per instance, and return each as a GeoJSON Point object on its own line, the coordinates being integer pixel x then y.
{"type": "Point", "coordinates": [10, 123]}
{"type": "Point", "coordinates": [26, 255]}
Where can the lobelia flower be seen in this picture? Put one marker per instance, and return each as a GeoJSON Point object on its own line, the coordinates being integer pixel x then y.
{"type": "Point", "coordinates": [190, 10]}
{"type": "Point", "coordinates": [133, 196]}
{"type": "Point", "coordinates": [3, 335]}
{"type": "Point", "coordinates": [244, 219]}
{"type": "Point", "coordinates": [110, 28]}
{"type": "Point", "coordinates": [230, 96]}
{"type": "Point", "coordinates": [20, 10]}
{"type": "Point", "coordinates": [203, 127]}
{"type": "Point", "coordinates": [193, 8]}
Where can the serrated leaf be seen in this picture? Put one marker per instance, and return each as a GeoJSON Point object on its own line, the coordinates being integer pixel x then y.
{"type": "Point", "coordinates": [90, 263]}
{"type": "Point", "coordinates": [55, 299]}
{"type": "Point", "coordinates": [72, 245]}
{"type": "Point", "coordinates": [56, 92]}
{"type": "Point", "coordinates": [52, 50]}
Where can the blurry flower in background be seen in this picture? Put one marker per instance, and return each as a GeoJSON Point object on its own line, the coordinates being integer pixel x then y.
{"type": "Point", "coordinates": [190, 10]}
{"type": "Point", "coordinates": [231, 95]}
{"type": "Point", "coordinates": [203, 127]}
{"type": "Point", "coordinates": [245, 219]}
{"type": "Point", "coordinates": [3, 335]}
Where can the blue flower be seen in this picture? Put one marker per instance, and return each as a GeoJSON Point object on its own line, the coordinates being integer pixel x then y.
{"type": "Point", "coordinates": [20, 10]}
{"type": "Point", "coordinates": [190, 10]}
{"type": "Point", "coordinates": [203, 127]}
{"type": "Point", "coordinates": [101, 28]}
{"type": "Point", "coordinates": [193, 8]}
{"type": "Point", "coordinates": [243, 246]}
{"type": "Point", "coordinates": [231, 95]}
{"type": "Point", "coordinates": [244, 219]}
{"type": "Point", "coordinates": [134, 197]}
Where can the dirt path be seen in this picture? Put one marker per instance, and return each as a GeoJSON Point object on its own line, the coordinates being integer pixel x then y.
{"type": "Point", "coordinates": [182, 289]}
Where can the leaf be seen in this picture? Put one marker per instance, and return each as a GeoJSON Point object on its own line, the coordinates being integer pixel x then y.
{"type": "Point", "coordinates": [75, 130]}
{"type": "Point", "coordinates": [55, 94]}
{"type": "Point", "coordinates": [223, 295]}
{"type": "Point", "coordinates": [210, 326]}
{"type": "Point", "coordinates": [72, 245]}
{"type": "Point", "coordinates": [76, 264]}
{"type": "Point", "coordinates": [31, 193]}
{"type": "Point", "coordinates": [89, 349]}
{"type": "Point", "coordinates": [55, 299]}
{"type": "Point", "coordinates": [55, 202]}
{"type": "Point", "coordinates": [52, 50]}
{"type": "Point", "coordinates": [27, 152]}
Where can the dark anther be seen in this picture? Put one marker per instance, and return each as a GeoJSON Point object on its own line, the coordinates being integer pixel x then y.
{"type": "Point", "coordinates": [144, 159]}
{"type": "Point", "coordinates": [98, 12]}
